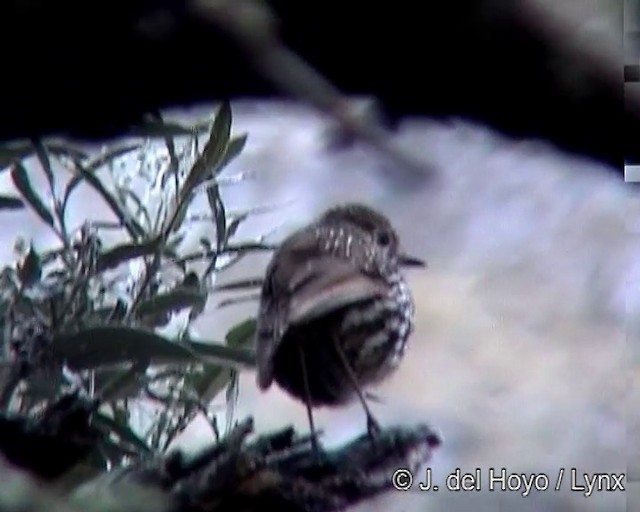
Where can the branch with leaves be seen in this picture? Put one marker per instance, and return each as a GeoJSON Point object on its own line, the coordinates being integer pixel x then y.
{"type": "Point", "coordinates": [89, 317]}
{"type": "Point", "coordinates": [240, 472]}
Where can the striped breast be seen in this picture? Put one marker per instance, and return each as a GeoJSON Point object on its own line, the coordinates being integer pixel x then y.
{"type": "Point", "coordinates": [375, 333]}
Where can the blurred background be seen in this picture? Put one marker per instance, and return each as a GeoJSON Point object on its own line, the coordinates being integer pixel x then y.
{"type": "Point", "coordinates": [527, 344]}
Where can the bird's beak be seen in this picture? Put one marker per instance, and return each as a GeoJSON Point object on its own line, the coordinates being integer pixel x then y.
{"type": "Point", "coordinates": [409, 261]}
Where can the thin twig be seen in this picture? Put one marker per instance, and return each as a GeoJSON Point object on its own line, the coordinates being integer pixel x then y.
{"type": "Point", "coordinates": [252, 26]}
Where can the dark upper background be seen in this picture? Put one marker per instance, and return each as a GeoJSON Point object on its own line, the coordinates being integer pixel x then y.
{"type": "Point", "coordinates": [92, 69]}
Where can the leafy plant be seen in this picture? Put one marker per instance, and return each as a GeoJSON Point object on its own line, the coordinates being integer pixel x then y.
{"type": "Point", "coordinates": [97, 317]}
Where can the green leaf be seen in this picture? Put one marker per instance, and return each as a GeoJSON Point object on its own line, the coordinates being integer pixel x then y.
{"type": "Point", "coordinates": [219, 214]}
{"type": "Point", "coordinates": [125, 252]}
{"type": "Point", "coordinates": [205, 166]}
{"type": "Point", "coordinates": [242, 333]}
{"type": "Point", "coordinates": [214, 150]}
{"type": "Point", "coordinates": [10, 203]}
{"type": "Point", "coordinates": [160, 306]}
{"type": "Point", "coordinates": [23, 184]}
{"type": "Point", "coordinates": [227, 356]}
{"type": "Point", "coordinates": [45, 161]}
{"type": "Point", "coordinates": [216, 147]}
{"type": "Point", "coordinates": [234, 148]}
{"type": "Point", "coordinates": [100, 346]}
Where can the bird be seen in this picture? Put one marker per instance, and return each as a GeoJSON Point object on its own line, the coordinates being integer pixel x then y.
{"type": "Point", "coordinates": [335, 312]}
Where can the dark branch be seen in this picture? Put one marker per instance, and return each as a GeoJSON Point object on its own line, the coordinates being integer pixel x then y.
{"type": "Point", "coordinates": [280, 470]}
{"type": "Point", "coordinates": [52, 442]}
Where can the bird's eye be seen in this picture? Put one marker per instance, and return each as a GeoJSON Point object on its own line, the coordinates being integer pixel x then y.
{"type": "Point", "coordinates": [383, 239]}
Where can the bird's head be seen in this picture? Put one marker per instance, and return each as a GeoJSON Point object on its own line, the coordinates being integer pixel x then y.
{"type": "Point", "coordinates": [383, 247]}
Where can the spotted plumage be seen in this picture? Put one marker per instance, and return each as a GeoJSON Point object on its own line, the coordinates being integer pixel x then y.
{"type": "Point", "coordinates": [333, 294]}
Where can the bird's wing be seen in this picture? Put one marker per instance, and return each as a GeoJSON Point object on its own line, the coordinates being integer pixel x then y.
{"type": "Point", "coordinates": [326, 284]}
{"type": "Point", "coordinates": [300, 285]}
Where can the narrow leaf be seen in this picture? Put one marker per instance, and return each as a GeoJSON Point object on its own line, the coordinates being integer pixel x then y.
{"type": "Point", "coordinates": [213, 152]}
{"type": "Point", "coordinates": [242, 333]}
{"type": "Point", "coordinates": [23, 184]}
{"type": "Point", "coordinates": [170, 302]}
{"type": "Point", "coordinates": [125, 252]}
{"type": "Point", "coordinates": [10, 203]}
{"type": "Point", "coordinates": [234, 148]}
{"type": "Point", "coordinates": [205, 166]}
{"type": "Point", "coordinates": [45, 161]}
{"type": "Point", "coordinates": [108, 345]}
{"type": "Point", "coordinates": [216, 147]}
{"type": "Point", "coordinates": [219, 214]}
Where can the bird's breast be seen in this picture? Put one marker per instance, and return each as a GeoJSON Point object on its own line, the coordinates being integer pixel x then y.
{"type": "Point", "coordinates": [372, 334]}
{"type": "Point", "coordinates": [390, 325]}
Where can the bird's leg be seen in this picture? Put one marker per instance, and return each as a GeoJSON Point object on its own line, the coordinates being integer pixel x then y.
{"type": "Point", "coordinates": [373, 428]}
{"type": "Point", "coordinates": [305, 382]}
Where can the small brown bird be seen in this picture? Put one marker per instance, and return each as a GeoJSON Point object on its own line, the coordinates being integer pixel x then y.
{"type": "Point", "coordinates": [335, 311]}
